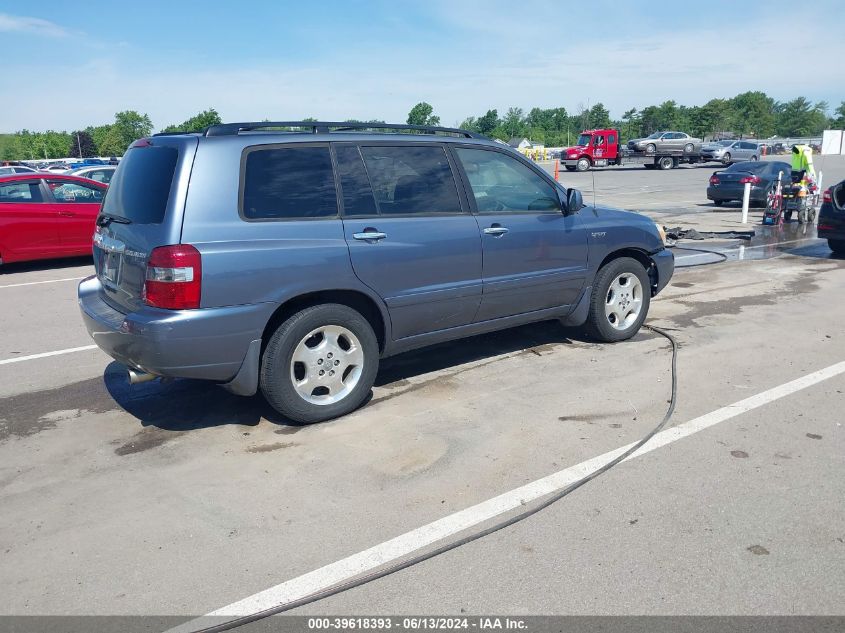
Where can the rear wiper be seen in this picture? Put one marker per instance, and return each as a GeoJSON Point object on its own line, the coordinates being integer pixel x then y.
{"type": "Point", "coordinates": [104, 219]}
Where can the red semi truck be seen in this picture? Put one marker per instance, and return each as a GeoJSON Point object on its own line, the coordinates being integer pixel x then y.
{"type": "Point", "coordinates": [600, 148]}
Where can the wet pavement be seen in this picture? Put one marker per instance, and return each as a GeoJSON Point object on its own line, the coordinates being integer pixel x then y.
{"type": "Point", "coordinates": [767, 242]}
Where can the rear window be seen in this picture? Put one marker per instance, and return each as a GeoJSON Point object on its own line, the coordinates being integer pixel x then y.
{"type": "Point", "coordinates": [141, 187]}
{"type": "Point", "coordinates": [288, 182]}
{"type": "Point", "coordinates": [754, 167]}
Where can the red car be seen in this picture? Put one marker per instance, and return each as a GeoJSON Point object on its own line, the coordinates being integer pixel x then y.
{"type": "Point", "coordinates": [43, 216]}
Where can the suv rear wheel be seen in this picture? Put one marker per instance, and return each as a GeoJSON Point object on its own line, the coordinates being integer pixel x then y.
{"type": "Point", "coordinates": [620, 300]}
{"type": "Point", "coordinates": [320, 363]}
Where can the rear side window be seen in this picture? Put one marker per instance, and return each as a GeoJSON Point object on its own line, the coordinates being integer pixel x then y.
{"type": "Point", "coordinates": [611, 139]}
{"type": "Point", "coordinates": [357, 193]}
{"type": "Point", "coordinates": [289, 182]}
{"type": "Point", "coordinates": [20, 192]}
{"type": "Point", "coordinates": [141, 187]}
{"type": "Point", "coordinates": [411, 179]}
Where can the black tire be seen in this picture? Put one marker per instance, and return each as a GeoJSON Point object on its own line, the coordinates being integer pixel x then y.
{"type": "Point", "coordinates": [650, 148]}
{"type": "Point", "coordinates": [275, 377]}
{"type": "Point", "coordinates": [689, 148]}
{"type": "Point", "coordinates": [754, 158]}
{"type": "Point", "coordinates": [583, 164]}
{"type": "Point", "coordinates": [718, 203]}
{"type": "Point", "coordinates": [837, 246]}
{"type": "Point", "coordinates": [726, 159]}
{"type": "Point", "coordinates": [787, 216]}
{"type": "Point", "coordinates": [598, 325]}
{"type": "Point", "coordinates": [667, 162]}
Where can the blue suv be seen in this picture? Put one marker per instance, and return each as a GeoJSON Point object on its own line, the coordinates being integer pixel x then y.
{"type": "Point", "coordinates": [290, 257]}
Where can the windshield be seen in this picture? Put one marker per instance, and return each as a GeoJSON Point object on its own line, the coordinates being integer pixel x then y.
{"type": "Point", "coordinates": [584, 139]}
{"type": "Point", "coordinates": [725, 143]}
{"type": "Point", "coordinates": [655, 135]}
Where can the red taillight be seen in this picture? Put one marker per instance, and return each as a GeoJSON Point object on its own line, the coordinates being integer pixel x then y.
{"type": "Point", "coordinates": [714, 180]}
{"type": "Point", "coordinates": [827, 196]}
{"type": "Point", "coordinates": [174, 277]}
{"type": "Point", "coordinates": [825, 227]}
{"type": "Point", "coordinates": [754, 180]}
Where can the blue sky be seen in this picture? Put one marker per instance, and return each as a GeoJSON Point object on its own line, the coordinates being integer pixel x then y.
{"type": "Point", "coordinates": [76, 63]}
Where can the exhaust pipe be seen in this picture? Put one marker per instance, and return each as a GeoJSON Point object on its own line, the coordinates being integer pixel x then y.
{"type": "Point", "coordinates": [137, 376]}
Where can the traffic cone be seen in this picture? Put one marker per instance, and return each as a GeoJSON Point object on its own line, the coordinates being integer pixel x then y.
{"type": "Point", "coordinates": [557, 169]}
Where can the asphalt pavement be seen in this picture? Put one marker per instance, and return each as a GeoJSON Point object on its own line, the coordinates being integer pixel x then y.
{"type": "Point", "coordinates": [182, 499]}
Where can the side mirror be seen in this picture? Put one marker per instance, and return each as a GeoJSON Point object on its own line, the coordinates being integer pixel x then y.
{"type": "Point", "coordinates": [574, 202]}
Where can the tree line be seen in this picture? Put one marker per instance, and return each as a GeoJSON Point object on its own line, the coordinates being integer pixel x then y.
{"type": "Point", "coordinates": [110, 139]}
{"type": "Point", "coordinates": [750, 114]}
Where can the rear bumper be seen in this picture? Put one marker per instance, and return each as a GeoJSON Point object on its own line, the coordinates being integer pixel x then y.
{"type": "Point", "coordinates": [729, 192]}
{"type": "Point", "coordinates": [664, 261]}
{"type": "Point", "coordinates": [208, 344]}
{"type": "Point", "coordinates": [831, 223]}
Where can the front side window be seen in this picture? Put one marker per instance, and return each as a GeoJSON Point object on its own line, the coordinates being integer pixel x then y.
{"type": "Point", "coordinates": [501, 183]}
{"type": "Point", "coordinates": [20, 192]}
{"type": "Point", "coordinates": [64, 191]}
{"type": "Point", "coordinates": [411, 179]}
{"type": "Point", "coordinates": [288, 182]}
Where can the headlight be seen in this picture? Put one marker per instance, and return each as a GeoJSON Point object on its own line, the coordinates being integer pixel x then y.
{"type": "Point", "coordinates": [661, 232]}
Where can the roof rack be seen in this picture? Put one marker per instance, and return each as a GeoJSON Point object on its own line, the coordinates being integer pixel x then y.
{"type": "Point", "coordinates": [326, 127]}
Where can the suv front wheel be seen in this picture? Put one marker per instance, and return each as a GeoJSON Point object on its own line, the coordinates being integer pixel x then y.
{"type": "Point", "coordinates": [620, 300]}
{"type": "Point", "coordinates": [320, 363]}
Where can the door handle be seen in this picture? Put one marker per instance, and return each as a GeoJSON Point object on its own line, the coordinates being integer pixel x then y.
{"type": "Point", "coordinates": [67, 214]}
{"type": "Point", "coordinates": [496, 230]}
{"type": "Point", "coordinates": [370, 235]}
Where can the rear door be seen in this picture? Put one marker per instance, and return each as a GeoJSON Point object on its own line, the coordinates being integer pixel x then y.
{"type": "Point", "coordinates": [142, 209]}
{"type": "Point", "coordinates": [76, 205]}
{"type": "Point", "coordinates": [411, 238]}
{"type": "Point", "coordinates": [28, 223]}
{"type": "Point", "coordinates": [534, 256]}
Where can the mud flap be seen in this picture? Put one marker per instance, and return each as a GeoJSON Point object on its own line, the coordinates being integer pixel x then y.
{"type": "Point", "coordinates": [578, 316]}
{"type": "Point", "coordinates": [245, 382]}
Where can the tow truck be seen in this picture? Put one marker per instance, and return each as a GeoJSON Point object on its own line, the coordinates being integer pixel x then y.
{"type": "Point", "coordinates": [601, 148]}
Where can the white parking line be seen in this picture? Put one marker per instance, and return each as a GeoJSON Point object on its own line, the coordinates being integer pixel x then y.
{"type": "Point", "coordinates": [59, 352]}
{"type": "Point", "coordinates": [405, 544]}
{"type": "Point", "coordinates": [35, 283]}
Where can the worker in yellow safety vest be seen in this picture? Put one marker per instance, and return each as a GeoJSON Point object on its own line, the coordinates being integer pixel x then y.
{"type": "Point", "coordinates": [802, 160]}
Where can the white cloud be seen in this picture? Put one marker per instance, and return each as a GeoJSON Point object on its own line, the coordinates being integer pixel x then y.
{"type": "Point", "coordinates": [462, 78]}
{"type": "Point", "coordinates": [36, 26]}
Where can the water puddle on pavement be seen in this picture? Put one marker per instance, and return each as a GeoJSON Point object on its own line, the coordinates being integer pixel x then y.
{"type": "Point", "coordinates": [769, 241]}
